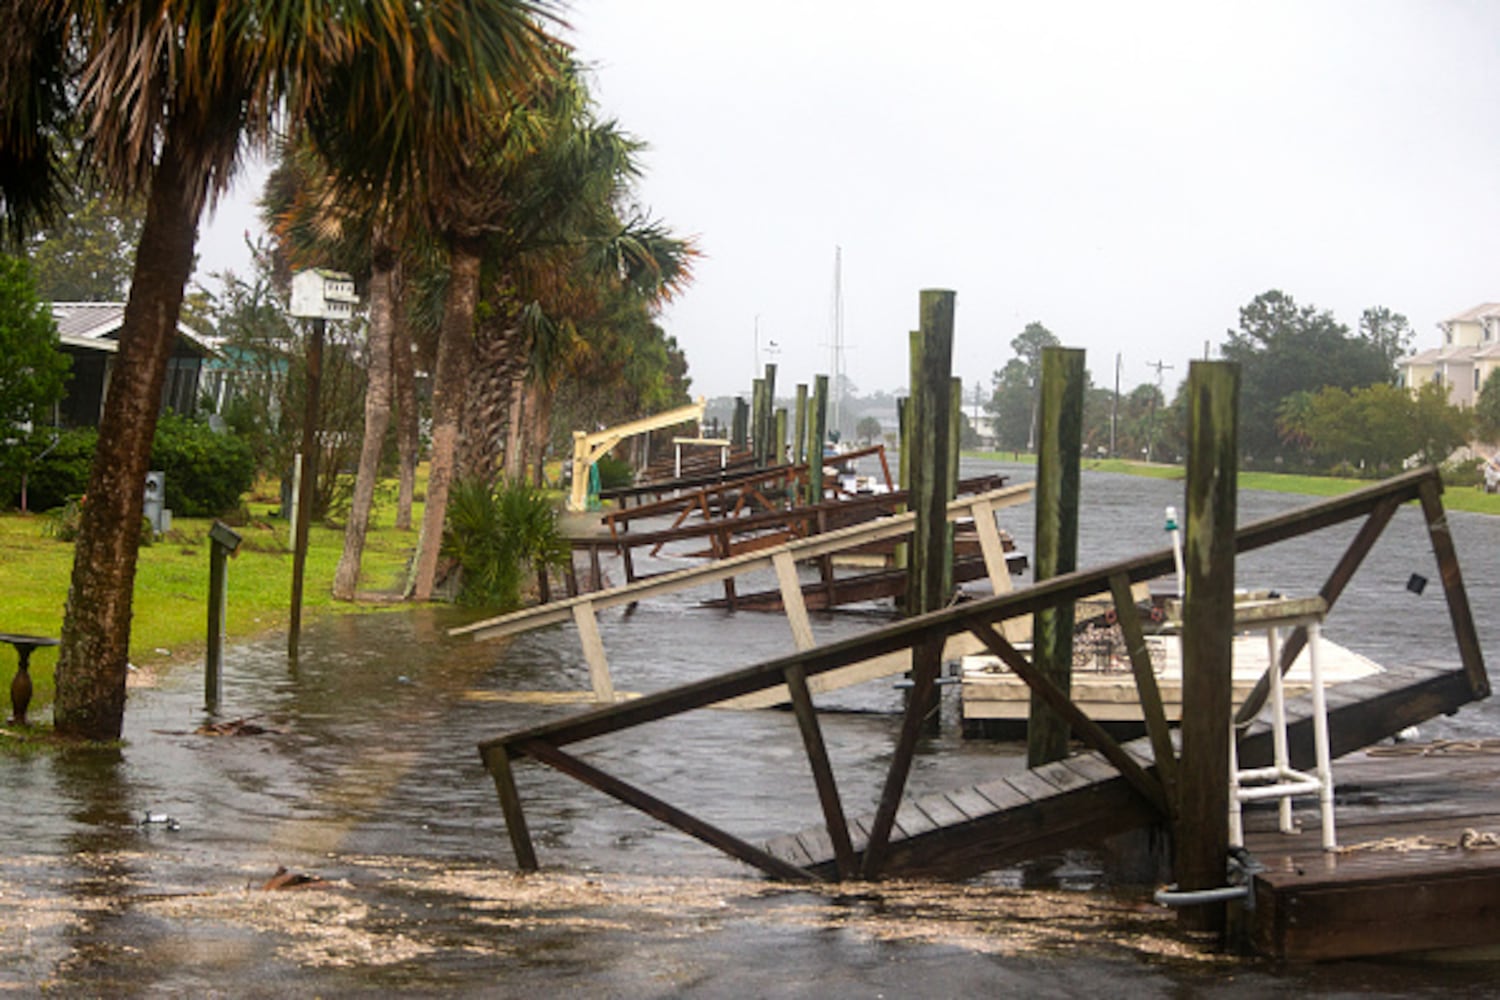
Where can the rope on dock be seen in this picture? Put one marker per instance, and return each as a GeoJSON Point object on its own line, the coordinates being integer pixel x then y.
{"type": "Point", "coordinates": [1436, 748]}
{"type": "Point", "coordinates": [1469, 840]}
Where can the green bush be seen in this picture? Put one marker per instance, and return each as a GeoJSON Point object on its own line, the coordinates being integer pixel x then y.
{"type": "Point", "coordinates": [614, 474]}
{"type": "Point", "coordinates": [495, 535]}
{"type": "Point", "coordinates": [56, 467]}
{"type": "Point", "coordinates": [207, 472]}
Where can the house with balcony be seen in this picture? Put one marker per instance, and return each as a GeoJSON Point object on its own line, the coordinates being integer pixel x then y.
{"type": "Point", "coordinates": [1470, 351]}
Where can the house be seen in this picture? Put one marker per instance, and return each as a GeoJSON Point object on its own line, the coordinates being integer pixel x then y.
{"type": "Point", "coordinates": [89, 333]}
{"type": "Point", "coordinates": [1469, 353]}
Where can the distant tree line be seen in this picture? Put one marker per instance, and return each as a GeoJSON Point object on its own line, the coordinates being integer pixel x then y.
{"type": "Point", "coordinates": [1314, 395]}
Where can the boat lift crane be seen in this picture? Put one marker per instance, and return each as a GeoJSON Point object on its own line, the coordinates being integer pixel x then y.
{"type": "Point", "coordinates": [588, 448]}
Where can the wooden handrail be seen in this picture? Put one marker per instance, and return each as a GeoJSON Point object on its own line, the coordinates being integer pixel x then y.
{"type": "Point", "coordinates": [979, 617]}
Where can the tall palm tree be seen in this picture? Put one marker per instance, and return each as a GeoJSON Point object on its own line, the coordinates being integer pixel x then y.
{"type": "Point", "coordinates": [169, 94]}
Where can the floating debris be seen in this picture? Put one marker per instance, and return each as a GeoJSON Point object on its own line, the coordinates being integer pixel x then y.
{"type": "Point", "coordinates": [284, 879]}
{"type": "Point", "coordinates": [232, 727]}
{"type": "Point", "coordinates": [161, 819]}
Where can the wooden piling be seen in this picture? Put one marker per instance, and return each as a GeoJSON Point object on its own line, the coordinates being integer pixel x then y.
{"type": "Point", "coordinates": [778, 437]}
{"type": "Point", "coordinates": [1059, 442]}
{"type": "Point", "coordinates": [739, 427]}
{"type": "Point", "coordinates": [929, 421]}
{"type": "Point", "coordinates": [768, 417]}
{"type": "Point", "coordinates": [758, 411]}
{"type": "Point", "coordinates": [1207, 636]}
{"type": "Point", "coordinates": [799, 439]}
{"type": "Point", "coordinates": [817, 428]}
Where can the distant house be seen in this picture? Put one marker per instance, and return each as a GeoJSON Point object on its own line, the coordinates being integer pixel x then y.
{"type": "Point", "coordinates": [89, 333]}
{"type": "Point", "coordinates": [1469, 352]}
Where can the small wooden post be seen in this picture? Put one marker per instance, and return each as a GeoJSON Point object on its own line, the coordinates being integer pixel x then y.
{"type": "Point", "coordinates": [1059, 442]}
{"type": "Point", "coordinates": [817, 428]}
{"type": "Point", "coordinates": [213, 684]}
{"type": "Point", "coordinates": [1207, 636]}
{"type": "Point", "coordinates": [799, 440]}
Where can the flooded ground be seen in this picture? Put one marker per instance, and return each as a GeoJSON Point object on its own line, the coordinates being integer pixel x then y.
{"type": "Point", "coordinates": [367, 777]}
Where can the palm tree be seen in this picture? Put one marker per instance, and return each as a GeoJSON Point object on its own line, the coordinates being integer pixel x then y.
{"type": "Point", "coordinates": [169, 94]}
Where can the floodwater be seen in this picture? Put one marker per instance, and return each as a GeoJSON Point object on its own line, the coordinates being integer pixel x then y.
{"type": "Point", "coordinates": [367, 776]}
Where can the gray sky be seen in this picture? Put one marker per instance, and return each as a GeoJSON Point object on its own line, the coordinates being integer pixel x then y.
{"type": "Point", "coordinates": [1128, 174]}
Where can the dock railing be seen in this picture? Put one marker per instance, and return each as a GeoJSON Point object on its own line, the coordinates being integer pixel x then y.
{"type": "Point", "coordinates": [782, 559]}
{"type": "Point", "coordinates": [983, 619]}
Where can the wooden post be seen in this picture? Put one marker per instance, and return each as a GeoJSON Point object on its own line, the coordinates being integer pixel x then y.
{"type": "Point", "coordinates": [817, 427]}
{"type": "Point", "coordinates": [758, 421]}
{"type": "Point", "coordinates": [1207, 636]}
{"type": "Point", "coordinates": [1059, 441]}
{"type": "Point", "coordinates": [213, 684]}
{"type": "Point", "coordinates": [739, 433]}
{"type": "Point", "coordinates": [778, 437]}
{"type": "Point", "coordinates": [766, 432]}
{"type": "Point", "coordinates": [799, 439]}
{"type": "Point", "coordinates": [929, 421]}
{"type": "Point", "coordinates": [309, 482]}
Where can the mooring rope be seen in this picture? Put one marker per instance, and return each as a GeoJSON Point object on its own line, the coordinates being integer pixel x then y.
{"type": "Point", "coordinates": [1436, 748]}
{"type": "Point", "coordinates": [1469, 840]}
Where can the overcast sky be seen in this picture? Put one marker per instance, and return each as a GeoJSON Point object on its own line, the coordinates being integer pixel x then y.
{"type": "Point", "coordinates": [1128, 174]}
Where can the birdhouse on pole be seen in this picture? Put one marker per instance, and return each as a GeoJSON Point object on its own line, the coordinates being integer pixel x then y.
{"type": "Point", "coordinates": [319, 293]}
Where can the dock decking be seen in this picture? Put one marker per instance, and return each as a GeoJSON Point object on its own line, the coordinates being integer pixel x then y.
{"type": "Point", "coordinates": [1083, 798]}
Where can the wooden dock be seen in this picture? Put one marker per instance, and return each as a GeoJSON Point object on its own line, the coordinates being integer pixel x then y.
{"type": "Point", "coordinates": [1418, 865]}
{"type": "Point", "coordinates": [1081, 798]}
{"type": "Point", "coordinates": [1084, 799]}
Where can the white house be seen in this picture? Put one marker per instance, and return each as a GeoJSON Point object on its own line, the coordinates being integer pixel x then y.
{"type": "Point", "coordinates": [1469, 352]}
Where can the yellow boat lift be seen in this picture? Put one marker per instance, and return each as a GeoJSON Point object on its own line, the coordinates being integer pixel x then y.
{"type": "Point", "coordinates": [588, 448]}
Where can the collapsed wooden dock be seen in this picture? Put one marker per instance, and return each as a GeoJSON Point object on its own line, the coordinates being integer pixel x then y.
{"type": "Point", "coordinates": [1110, 789]}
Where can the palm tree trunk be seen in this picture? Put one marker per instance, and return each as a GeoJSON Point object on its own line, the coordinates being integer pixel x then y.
{"type": "Point", "coordinates": [403, 370]}
{"type": "Point", "coordinates": [450, 383]}
{"type": "Point", "coordinates": [92, 660]}
{"type": "Point", "coordinates": [377, 418]}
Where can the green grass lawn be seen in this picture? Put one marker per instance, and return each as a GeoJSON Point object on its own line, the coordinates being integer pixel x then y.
{"type": "Point", "coordinates": [1467, 498]}
{"type": "Point", "coordinates": [170, 617]}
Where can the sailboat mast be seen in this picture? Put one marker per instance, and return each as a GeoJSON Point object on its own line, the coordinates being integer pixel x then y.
{"type": "Point", "coordinates": [836, 361]}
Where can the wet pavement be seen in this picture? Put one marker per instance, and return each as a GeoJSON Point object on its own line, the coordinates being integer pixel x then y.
{"type": "Point", "coordinates": [366, 776]}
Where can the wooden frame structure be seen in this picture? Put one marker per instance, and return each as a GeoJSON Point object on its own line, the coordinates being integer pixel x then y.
{"type": "Point", "coordinates": [588, 447]}
{"type": "Point", "coordinates": [782, 560]}
{"type": "Point", "coordinates": [1151, 779]}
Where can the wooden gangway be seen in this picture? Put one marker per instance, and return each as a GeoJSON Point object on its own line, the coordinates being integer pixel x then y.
{"type": "Point", "coordinates": [1113, 788]}
{"type": "Point", "coordinates": [964, 831]}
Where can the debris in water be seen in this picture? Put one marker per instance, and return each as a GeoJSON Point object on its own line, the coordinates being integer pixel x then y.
{"type": "Point", "coordinates": [232, 727]}
{"type": "Point", "coordinates": [161, 819]}
{"type": "Point", "coordinates": [284, 879]}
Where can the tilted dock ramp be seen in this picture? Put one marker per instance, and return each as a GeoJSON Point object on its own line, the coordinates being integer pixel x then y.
{"type": "Point", "coordinates": [1083, 799]}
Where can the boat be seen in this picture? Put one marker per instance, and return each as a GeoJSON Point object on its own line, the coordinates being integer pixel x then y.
{"type": "Point", "coordinates": [996, 703]}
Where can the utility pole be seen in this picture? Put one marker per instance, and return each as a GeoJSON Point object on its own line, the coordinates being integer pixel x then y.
{"type": "Point", "coordinates": [1114, 413]}
{"type": "Point", "coordinates": [1160, 367]}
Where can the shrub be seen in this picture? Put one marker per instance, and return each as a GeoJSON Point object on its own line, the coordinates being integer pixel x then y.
{"type": "Point", "coordinates": [495, 535]}
{"type": "Point", "coordinates": [614, 474]}
{"type": "Point", "coordinates": [56, 467]}
{"type": "Point", "coordinates": [207, 472]}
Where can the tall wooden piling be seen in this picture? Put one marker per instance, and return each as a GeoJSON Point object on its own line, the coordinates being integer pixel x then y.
{"type": "Point", "coordinates": [817, 428]}
{"type": "Point", "coordinates": [778, 437]}
{"type": "Point", "coordinates": [758, 412]}
{"type": "Point", "coordinates": [929, 418]}
{"type": "Point", "coordinates": [799, 438]}
{"type": "Point", "coordinates": [739, 427]}
{"type": "Point", "coordinates": [768, 430]}
{"type": "Point", "coordinates": [1207, 636]}
{"type": "Point", "coordinates": [1059, 443]}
